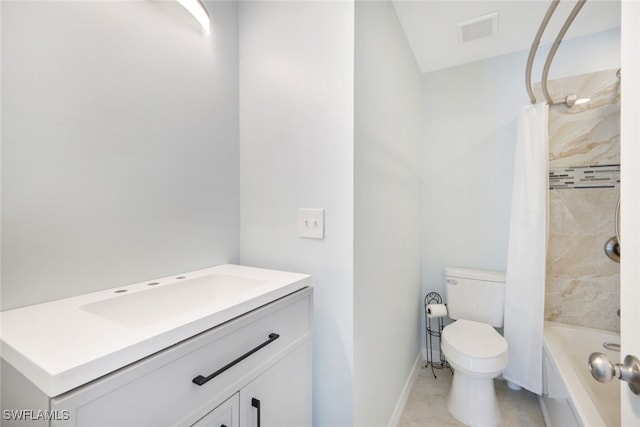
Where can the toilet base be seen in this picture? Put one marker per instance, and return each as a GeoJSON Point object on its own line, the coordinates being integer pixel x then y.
{"type": "Point", "coordinates": [472, 401]}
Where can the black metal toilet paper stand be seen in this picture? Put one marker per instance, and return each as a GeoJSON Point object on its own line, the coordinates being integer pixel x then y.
{"type": "Point", "coordinates": [434, 327]}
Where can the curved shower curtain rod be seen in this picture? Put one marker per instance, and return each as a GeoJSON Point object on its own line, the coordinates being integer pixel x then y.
{"type": "Point", "coordinates": [570, 100]}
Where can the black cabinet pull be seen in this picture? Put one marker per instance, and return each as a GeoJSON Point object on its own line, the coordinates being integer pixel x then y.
{"type": "Point", "coordinates": [200, 380]}
{"type": "Point", "coordinates": [256, 404]}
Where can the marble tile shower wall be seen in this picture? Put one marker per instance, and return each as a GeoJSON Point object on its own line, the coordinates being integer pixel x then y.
{"type": "Point", "coordinates": [583, 284]}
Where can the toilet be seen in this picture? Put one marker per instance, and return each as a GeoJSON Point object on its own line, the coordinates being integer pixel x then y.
{"type": "Point", "coordinates": [471, 345]}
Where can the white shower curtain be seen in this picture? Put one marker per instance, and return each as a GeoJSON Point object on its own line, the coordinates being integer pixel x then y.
{"type": "Point", "coordinates": [526, 264]}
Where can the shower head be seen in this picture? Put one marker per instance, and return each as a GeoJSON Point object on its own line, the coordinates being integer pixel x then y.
{"type": "Point", "coordinates": [572, 99]}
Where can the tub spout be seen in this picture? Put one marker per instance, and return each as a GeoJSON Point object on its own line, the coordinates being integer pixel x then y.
{"type": "Point", "coordinates": [611, 346]}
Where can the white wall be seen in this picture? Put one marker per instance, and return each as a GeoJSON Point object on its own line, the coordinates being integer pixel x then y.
{"type": "Point", "coordinates": [119, 145]}
{"type": "Point", "coordinates": [470, 118]}
{"type": "Point", "coordinates": [296, 151]}
{"type": "Point", "coordinates": [388, 138]}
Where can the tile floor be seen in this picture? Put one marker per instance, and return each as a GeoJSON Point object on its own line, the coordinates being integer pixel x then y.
{"type": "Point", "coordinates": [427, 403]}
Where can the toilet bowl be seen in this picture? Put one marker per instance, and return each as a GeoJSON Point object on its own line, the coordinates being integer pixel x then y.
{"type": "Point", "coordinates": [478, 354]}
{"type": "Point", "coordinates": [471, 345]}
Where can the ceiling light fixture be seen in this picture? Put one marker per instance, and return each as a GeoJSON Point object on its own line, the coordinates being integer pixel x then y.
{"type": "Point", "coordinates": [199, 11]}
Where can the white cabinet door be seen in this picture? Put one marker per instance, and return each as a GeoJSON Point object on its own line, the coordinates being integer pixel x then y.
{"type": "Point", "coordinates": [281, 396]}
{"type": "Point", "coordinates": [226, 414]}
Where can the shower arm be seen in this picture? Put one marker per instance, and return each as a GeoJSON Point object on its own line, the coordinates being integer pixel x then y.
{"type": "Point", "coordinates": [552, 52]}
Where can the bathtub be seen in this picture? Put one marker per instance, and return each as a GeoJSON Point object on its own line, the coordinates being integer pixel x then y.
{"type": "Point", "coordinates": [571, 397]}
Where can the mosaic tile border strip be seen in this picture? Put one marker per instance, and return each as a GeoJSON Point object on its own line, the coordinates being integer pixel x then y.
{"type": "Point", "coordinates": [580, 177]}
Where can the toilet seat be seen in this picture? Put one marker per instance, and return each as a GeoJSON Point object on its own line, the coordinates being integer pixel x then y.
{"type": "Point", "coordinates": [475, 347]}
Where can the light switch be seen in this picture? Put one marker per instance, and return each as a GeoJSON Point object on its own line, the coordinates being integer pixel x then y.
{"type": "Point", "coordinates": [311, 223]}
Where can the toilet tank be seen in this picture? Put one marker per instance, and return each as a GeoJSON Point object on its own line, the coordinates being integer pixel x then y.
{"type": "Point", "coordinates": [475, 295]}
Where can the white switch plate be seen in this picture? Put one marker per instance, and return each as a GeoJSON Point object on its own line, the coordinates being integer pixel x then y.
{"type": "Point", "coordinates": [311, 223]}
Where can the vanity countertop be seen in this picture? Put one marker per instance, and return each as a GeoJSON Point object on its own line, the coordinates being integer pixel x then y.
{"type": "Point", "coordinates": [62, 344]}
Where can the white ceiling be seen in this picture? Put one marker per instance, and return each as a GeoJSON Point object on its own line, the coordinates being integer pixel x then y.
{"type": "Point", "coordinates": [431, 27]}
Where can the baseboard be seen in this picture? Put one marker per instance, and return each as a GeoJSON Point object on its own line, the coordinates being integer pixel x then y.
{"type": "Point", "coordinates": [404, 396]}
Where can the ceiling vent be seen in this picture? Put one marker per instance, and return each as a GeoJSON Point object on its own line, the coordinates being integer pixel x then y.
{"type": "Point", "coordinates": [478, 28]}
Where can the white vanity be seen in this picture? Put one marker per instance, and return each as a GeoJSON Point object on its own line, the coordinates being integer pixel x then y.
{"type": "Point", "coordinates": [224, 346]}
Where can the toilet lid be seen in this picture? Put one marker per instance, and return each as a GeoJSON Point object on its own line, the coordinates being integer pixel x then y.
{"type": "Point", "coordinates": [475, 339]}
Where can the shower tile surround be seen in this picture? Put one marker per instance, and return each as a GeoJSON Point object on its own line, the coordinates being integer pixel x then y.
{"type": "Point", "coordinates": [582, 286]}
